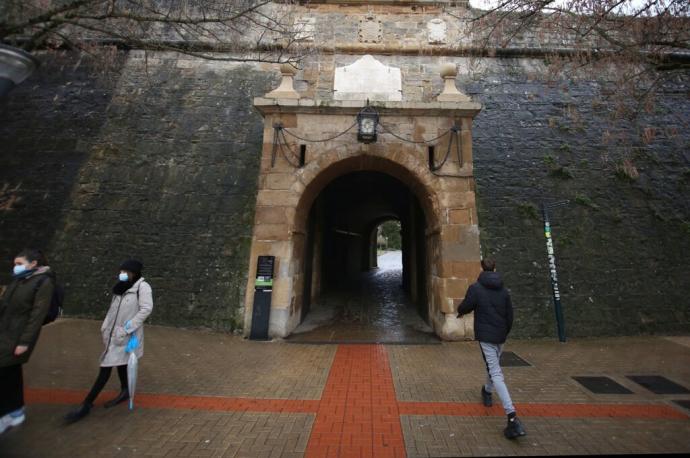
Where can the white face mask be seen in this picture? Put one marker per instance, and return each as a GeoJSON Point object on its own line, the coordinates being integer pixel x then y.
{"type": "Point", "coordinates": [123, 277]}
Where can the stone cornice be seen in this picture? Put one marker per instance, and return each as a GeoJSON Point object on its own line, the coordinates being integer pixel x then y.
{"type": "Point", "coordinates": [268, 106]}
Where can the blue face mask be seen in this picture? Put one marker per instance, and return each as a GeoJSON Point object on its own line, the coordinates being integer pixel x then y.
{"type": "Point", "coordinates": [123, 277]}
{"type": "Point", "coordinates": [18, 270]}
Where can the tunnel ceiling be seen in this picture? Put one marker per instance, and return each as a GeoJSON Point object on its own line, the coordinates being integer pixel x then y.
{"type": "Point", "coordinates": [357, 201]}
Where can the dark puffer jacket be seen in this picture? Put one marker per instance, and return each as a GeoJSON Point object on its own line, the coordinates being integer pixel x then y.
{"type": "Point", "coordinates": [493, 311]}
{"type": "Point", "coordinates": [23, 308]}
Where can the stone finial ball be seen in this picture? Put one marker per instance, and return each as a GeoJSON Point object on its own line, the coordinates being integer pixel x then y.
{"type": "Point", "coordinates": [448, 70]}
{"type": "Point", "coordinates": [287, 69]}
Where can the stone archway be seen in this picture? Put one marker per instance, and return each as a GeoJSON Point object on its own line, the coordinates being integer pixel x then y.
{"type": "Point", "coordinates": [287, 192]}
{"type": "Point", "coordinates": [334, 221]}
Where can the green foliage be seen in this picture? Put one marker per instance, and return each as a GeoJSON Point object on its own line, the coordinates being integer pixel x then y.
{"type": "Point", "coordinates": [557, 170]}
{"type": "Point", "coordinates": [621, 175]}
{"type": "Point", "coordinates": [685, 225]}
{"type": "Point", "coordinates": [528, 210]}
{"type": "Point", "coordinates": [585, 201]}
{"type": "Point", "coordinates": [617, 217]}
{"type": "Point", "coordinates": [390, 230]}
{"type": "Point", "coordinates": [565, 240]}
{"type": "Point", "coordinates": [561, 172]}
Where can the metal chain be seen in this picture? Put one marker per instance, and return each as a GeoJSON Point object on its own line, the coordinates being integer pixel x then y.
{"type": "Point", "coordinates": [292, 153]}
{"type": "Point", "coordinates": [460, 158]}
{"type": "Point", "coordinates": [386, 129]}
{"type": "Point", "coordinates": [280, 131]}
{"type": "Point", "coordinates": [320, 140]}
{"type": "Point", "coordinates": [435, 167]}
{"type": "Point", "coordinates": [278, 146]}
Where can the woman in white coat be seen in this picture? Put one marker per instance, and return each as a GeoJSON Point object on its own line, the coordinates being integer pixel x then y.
{"type": "Point", "coordinates": [122, 331]}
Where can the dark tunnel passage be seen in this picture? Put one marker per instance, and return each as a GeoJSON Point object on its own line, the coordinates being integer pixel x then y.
{"type": "Point", "coordinates": [346, 296]}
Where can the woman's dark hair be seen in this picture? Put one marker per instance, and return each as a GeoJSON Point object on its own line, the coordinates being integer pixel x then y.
{"type": "Point", "coordinates": [32, 255]}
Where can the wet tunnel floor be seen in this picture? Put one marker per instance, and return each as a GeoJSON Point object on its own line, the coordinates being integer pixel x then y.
{"type": "Point", "coordinates": [373, 310]}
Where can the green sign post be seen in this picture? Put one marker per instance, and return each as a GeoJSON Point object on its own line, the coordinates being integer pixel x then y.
{"type": "Point", "coordinates": [560, 321]}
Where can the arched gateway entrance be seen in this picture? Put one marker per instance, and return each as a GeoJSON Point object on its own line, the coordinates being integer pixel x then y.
{"type": "Point", "coordinates": [319, 202]}
{"type": "Point", "coordinates": [354, 299]}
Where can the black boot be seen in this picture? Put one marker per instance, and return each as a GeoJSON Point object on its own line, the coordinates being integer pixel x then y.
{"type": "Point", "coordinates": [486, 398]}
{"type": "Point", "coordinates": [79, 413]}
{"type": "Point", "coordinates": [122, 397]}
{"type": "Point", "coordinates": [514, 428]}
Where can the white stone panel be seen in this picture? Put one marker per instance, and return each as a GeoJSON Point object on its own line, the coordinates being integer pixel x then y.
{"type": "Point", "coordinates": [367, 78]}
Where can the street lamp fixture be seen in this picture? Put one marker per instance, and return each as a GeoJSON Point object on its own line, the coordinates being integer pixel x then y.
{"type": "Point", "coordinates": [15, 66]}
{"type": "Point", "coordinates": [367, 121]}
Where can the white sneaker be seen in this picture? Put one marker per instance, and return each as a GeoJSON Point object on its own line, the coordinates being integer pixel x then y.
{"type": "Point", "coordinates": [17, 417]}
{"type": "Point", "coordinates": [5, 423]}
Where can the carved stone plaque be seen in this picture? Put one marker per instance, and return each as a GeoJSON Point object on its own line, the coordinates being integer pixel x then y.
{"type": "Point", "coordinates": [437, 31]}
{"type": "Point", "coordinates": [304, 28]}
{"type": "Point", "coordinates": [370, 30]}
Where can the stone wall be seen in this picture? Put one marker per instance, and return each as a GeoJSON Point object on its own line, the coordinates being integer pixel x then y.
{"type": "Point", "coordinates": [163, 169]}
{"type": "Point", "coordinates": [159, 159]}
{"type": "Point", "coordinates": [48, 126]}
{"type": "Point", "coordinates": [621, 245]}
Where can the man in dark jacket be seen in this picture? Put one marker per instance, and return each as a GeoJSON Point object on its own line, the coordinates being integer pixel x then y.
{"type": "Point", "coordinates": [493, 318]}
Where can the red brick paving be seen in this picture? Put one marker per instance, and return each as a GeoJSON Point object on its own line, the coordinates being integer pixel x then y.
{"type": "Point", "coordinates": [358, 414]}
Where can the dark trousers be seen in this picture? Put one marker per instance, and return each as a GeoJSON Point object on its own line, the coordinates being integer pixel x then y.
{"type": "Point", "coordinates": [102, 379]}
{"type": "Point", "coordinates": [11, 389]}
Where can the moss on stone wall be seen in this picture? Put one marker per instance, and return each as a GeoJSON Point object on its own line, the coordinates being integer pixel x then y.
{"type": "Point", "coordinates": [619, 243]}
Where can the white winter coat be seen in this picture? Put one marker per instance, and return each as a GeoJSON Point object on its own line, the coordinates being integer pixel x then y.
{"type": "Point", "coordinates": [135, 305]}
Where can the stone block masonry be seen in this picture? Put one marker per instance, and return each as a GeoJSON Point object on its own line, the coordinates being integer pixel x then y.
{"type": "Point", "coordinates": [160, 160]}
{"type": "Point", "coordinates": [166, 172]}
{"type": "Point", "coordinates": [620, 245]}
{"type": "Point", "coordinates": [48, 127]}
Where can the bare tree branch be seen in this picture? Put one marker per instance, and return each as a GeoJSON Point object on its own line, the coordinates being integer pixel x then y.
{"type": "Point", "coordinates": [195, 27]}
{"type": "Point", "coordinates": [637, 45]}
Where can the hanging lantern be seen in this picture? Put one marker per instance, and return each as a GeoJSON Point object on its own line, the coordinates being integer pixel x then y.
{"type": "Point", "coordinates": [367, 121]}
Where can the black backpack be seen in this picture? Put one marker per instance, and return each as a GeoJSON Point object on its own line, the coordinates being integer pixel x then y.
{"type": "Point", "coordinates": [56, 300]}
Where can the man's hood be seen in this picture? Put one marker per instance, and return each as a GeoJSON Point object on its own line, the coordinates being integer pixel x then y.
{"type": "Point", "coordinates": [491, 280]}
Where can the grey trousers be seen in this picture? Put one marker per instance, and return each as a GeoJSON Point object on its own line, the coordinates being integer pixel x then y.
{"type": "Point", "coordinates": [495, 381]}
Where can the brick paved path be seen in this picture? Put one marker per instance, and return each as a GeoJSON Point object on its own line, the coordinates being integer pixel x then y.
{"type": "Point", "coordinates": [358, 414]}
{"type": "Point", "coordinates": [247, 399]}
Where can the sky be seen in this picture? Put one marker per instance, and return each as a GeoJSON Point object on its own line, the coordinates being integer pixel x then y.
{"type": "Point", "coordinates": [485, 4]}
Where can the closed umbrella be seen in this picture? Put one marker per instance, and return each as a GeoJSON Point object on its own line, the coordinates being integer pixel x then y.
{"type": "Point", "coordinates": [132, 367]}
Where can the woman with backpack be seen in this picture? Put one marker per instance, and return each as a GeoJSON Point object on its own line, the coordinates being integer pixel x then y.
{"type": "Point", "coordinates": [23, 309]}
{"type": "Point", "coordinates": [122, 332]}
